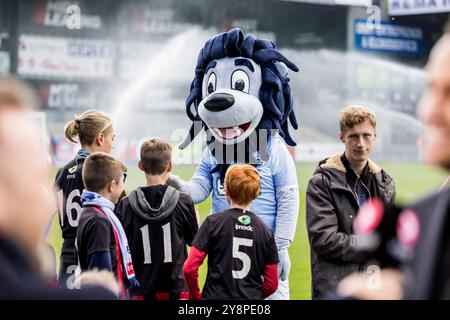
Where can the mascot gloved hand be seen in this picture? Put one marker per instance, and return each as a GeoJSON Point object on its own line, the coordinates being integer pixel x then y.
{"type": "Point", "coordinates": [241, 98]}
{"type": "Point", "coordinates": [284, 267]}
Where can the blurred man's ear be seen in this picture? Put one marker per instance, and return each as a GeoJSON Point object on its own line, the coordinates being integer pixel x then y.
{"type": "Point", "coordinates": [341, 136]}
{"type": "Point", "coordinates": [140, 165]}
{"type": "Point", "coordinates": [375, 135]}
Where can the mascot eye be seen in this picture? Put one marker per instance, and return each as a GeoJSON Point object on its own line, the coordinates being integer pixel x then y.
{"type": "Point", "coordinates": [211, 87]}
{"type": "Point", "coordinates": [240, 81]}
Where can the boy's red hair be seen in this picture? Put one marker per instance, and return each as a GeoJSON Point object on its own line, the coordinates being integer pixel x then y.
{"type": "Point", "coordinates": [243, 183]}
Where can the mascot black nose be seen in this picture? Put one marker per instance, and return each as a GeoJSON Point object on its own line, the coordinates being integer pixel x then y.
{"type": "Point", "coordinates": [219, 102]}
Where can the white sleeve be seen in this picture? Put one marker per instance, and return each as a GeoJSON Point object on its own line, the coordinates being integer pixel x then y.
{"type": "Point", "coordinates": [287, 195]}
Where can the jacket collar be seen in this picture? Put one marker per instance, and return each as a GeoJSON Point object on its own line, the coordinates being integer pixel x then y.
{"type": "Point", "coordinates": [81, 155]}
{"type": "Point", "coordinates": [335, 170]}
{"type": "Point", "coordinates": [335, 162]}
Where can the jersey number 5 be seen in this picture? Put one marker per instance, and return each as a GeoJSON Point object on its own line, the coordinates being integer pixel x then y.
{"type": "Point", "coordinates": [167, 244]}
{"type": "Point", "coordinates": [246, 261]}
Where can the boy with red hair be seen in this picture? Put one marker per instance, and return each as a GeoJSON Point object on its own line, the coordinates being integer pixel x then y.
{"type": "Point", "coordinates": [241, 250]}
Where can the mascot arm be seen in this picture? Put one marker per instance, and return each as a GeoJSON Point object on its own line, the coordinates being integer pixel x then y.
{"type": "Point", "coordinates": [288, 202]}
{"type": "Point", "coordinates": [200, 186]}
{"type": "Point", "coordinates": [286, 186]}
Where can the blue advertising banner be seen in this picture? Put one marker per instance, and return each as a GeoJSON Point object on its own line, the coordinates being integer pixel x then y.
{"type": "Point", "coordinates": [388, 37]}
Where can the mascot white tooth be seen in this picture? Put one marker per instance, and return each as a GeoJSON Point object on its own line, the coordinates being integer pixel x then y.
{"type": "Point", "coordinates": [242, 99]}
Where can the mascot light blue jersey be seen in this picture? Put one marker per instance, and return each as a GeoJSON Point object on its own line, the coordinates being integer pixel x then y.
{"type": "Point", "coordinates": [241, 97]}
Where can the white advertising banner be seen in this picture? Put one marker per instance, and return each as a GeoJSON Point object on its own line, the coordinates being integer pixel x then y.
{"type": "Point", "coordinates": [412, 7]}
{"type": "Point", "coordinates": [354, 3]}
{"type": "Point", "coordinates": [49, 57]}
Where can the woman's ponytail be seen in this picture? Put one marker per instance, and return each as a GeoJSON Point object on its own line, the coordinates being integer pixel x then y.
{"type": "Point", "coordinates": [72, 129]}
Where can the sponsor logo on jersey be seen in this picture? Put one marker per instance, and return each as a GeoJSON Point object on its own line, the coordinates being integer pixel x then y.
{"type": "Point", "coordinates": [73, 169]}
{"type": "Point", "coordinates": [245, 228]}
{"type": "Point", "coordinates": [245, 220]}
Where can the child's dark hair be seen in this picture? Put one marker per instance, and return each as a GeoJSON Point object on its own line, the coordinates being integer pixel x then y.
{"type": "Point", "coordinates": [99, 169]}
{"type": "Point", "coordinates": [156, 154]}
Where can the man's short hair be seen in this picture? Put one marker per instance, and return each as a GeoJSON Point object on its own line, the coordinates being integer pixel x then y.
{"type": "Point", "coordinates": [99, 169]}
{"type": "Point", "coordinates": [354, 115]}
{"type": "Point", "coordinates": [15, 93]}
{"type": "Point", "coordinates": [243, 183]}
{"type": "Point", "coordinates": [156, 154]}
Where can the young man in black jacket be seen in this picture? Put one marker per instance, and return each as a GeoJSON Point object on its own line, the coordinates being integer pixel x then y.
{"type": "Point", "coordinates": [340, 185]}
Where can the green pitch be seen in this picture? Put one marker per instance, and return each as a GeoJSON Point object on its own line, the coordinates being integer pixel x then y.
{"type": "Point", "coordinates": [413, 181]}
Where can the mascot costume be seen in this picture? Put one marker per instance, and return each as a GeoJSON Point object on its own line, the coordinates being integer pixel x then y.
{"type": "Point", "coordinates": [241, 97]}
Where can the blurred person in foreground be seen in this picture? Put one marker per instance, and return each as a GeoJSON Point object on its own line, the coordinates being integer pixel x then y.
{"type": "Point", "coordinates": [424, 227]}
{"type": "Point", "coordinates": [25, 204]}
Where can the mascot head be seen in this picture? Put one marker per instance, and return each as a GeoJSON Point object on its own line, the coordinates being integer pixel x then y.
{"type": "Point", "coordinates": [241, 86]}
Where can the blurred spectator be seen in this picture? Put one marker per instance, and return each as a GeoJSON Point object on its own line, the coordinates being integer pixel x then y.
{"type": "Point", "coordinates": [428, 275]}
{"type": "Point", "coordinates": [25, 204]}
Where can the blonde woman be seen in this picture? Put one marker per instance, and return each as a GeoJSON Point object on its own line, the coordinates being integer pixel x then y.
{"type": "Point", "coordinates": [94, 131]}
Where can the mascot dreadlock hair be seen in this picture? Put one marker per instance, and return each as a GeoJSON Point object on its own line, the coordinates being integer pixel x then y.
{"type": "Point", "coordinates": [241, 97]}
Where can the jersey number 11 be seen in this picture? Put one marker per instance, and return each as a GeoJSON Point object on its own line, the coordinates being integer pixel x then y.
{"type": "Point", "coordinates": [167, 244]}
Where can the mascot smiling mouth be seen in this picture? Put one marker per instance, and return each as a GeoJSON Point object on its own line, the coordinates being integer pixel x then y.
{"type": "Point", "coordinates": [231, 132]}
